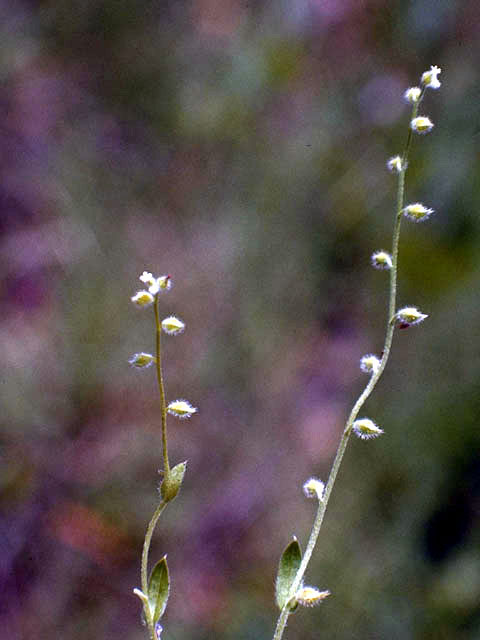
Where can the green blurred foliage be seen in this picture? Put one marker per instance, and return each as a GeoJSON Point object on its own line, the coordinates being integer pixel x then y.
{"type": "Point", "coordinates": [241, 147]}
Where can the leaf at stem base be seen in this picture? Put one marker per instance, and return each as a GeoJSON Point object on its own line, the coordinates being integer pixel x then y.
{"type": "Point", "coordinates": [158, 589]}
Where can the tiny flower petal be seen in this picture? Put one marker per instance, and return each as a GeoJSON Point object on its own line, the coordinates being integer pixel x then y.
{"type": "Point", "coordinates": [147, 278]}
{"type": "Point", "coordinates": [421, 124]}
{"type": "Point", "coordinates": [417, 212]}
{"type": "Point", "coordinates": [412, 94]}
{"type": "Point", "coordinates": [370, 363]}
{"type": "Point", "coordinates": [181, 409]}
{"type": "Point", "coordinates": [142, 360]}
{"type": "Point", "coordinates": [430, 78]}
{"type": "Point", "coordinates": [173, 326]}
{"type": "Point", "coordinates": [408, 316]}
{"type": "Point", "coordinates": [142, 299]}
{"type": "Point", "coordinates": [314, 488]}
{"type": "Point", "coordinates": [381, 260]}
{"type": "Point", "coordinates": [366, 429]}
{"type": "Point", "coordinates": [310, 596]}
{"type": "Point", "coordinates": [396, 164]}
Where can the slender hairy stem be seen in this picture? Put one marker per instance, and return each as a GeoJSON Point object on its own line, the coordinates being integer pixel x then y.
{"type": "Point", "coordinates": [146, 548]}
{"type": "Point", "coordinates": [166, 470]}
{"type": "Point", "coordinates": [322, 506]}
{"type": "Point", "coordinates": [161, 388]}
{"type": "Point", "coordinates": [146, 545]}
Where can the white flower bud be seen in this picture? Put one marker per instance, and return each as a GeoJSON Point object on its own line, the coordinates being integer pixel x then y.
{"type": "Point", "coordinates": [164, 283]}
{"type": "Point", "coordinates": [408, 316]}
{"type": "Point", "coordinates": [370, 363]}
{"type": "Point", "coordinates": [314, 488]}
{"type": "Point", "coordinates": [412, 94]}
{"type": "Point", "coordinates": [396, 164]}
{"type": "Point", "coordinates": [381, 260]}
{"type": "Point", "coordinates": [310, 596]}
{"type": "Point", "coordinates": [366, 429]}
{"type": "Point", "coordinates": [430, 78]}
{"type": "Point", "coordinates": [417, 212]}
{"type": "Point", "coordinates": [421, 124]}
{"type": "Point", "coordinates": [173, 326]}
{"type": "Point", "coordinates": [181, 409]}
{"type": "Point", "coordinates": [142, 360]}
{"type": "Point", "coordinates": [142, 299]}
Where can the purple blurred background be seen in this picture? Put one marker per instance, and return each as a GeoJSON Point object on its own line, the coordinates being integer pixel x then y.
{"type": "Point", "coordinates": [239, 145]}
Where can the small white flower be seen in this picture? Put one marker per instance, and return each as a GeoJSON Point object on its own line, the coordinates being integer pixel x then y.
{"type": "Point", "coordinates": [381, 260]}
{"type": "Point", "coordinates": [310, 596]}
{"type": "Point", "coordinates": [314, 488]}
{"type": "Point", "coordinates": [421, 124]}
{"type": "Point", "coordinates": [412, 94]}
{"type": "Point", "coordinates": [396, 164]}
{"type": "Point", "coordinates": [417, 212]}
{"type": "Point", "coordinates": [181, 409]}
{"type": "Point", "coordinates": [142, 299]}
{"type": "Point", "coordinates": [430, 78]}
{"type": "Point", "coordinates": [142, 360]}
{"type": "Point", "coordinates": [163, 283]}
{"type": "Point", "coordinates": [147, 278]}
{"type": "Point", "coordinates": [366, 429]}
{"type": "Point", "coordinates": [408, 316]}
{"type": "Point", "coordinates": [156, 285]}
{"type": "Point", "coordinates": [173, 326]}
{"type": "Point", "coordinates": [370, 363]}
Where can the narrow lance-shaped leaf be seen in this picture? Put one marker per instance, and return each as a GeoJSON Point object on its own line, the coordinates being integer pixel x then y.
{"type": "Point", "coordinates": [287, 570]}
{"type": "Point", "coordinates": [158, 589]}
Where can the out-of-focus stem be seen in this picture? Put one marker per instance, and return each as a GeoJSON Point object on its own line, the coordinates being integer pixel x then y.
{"type": "Point", "coordinates": [322, 506]}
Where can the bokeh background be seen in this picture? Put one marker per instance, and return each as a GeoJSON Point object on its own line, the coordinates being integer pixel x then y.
{"type": "Point", "coordinates": [239, 145]}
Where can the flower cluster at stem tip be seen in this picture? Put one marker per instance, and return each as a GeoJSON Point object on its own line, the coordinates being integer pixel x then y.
{"type": "Point", "coordinates": [416, 212]}
{"type": "Point", "coordinates": [171, 325]}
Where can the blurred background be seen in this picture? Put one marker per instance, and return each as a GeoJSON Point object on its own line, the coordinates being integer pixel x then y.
{"type": "Point", "coordinates": [239, 145]}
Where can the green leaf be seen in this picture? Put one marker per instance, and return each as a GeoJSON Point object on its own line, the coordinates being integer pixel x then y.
{"type": "Point", "coordinates": [287, 570]}
{"type": "Point", "coordinates": [158, 589]}
{"type": "Point", "coordinates": [171, 484]}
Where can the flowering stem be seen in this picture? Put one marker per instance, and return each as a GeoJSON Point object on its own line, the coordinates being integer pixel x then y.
{"type": "Point", "coordinates": [144, 571]}
{"type": "Point", "coordinates": [161, 388]}
{"type": "Point", "coordinates": [322, 506]}
{"type": "Point", "coordinates": [166, 471]}
{"type": "Point", "coordinates": [410, 132]}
